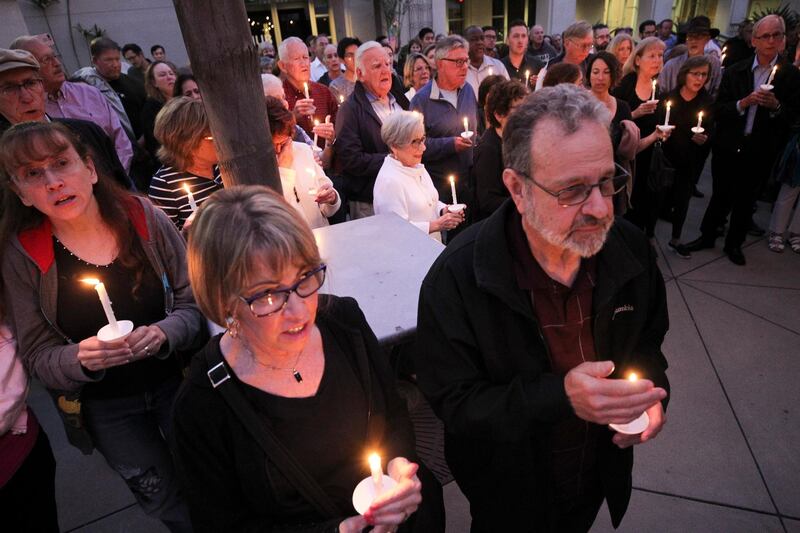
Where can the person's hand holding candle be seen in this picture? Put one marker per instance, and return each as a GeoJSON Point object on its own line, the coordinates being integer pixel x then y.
{"type": "Point", "coordinates": [305, 107]}
{"type": "Point", "coordinates": [146, 341]}
{"type": "Point", "coordinates": [326, 130]}
{"type": "Point", "coordinates": [326, 194]}
{"type": "Point", "coordinates": [657, 421]}
{"type": "Point", "coordinates": [462, 144]}
{"type": "Point", "coordinates": [393, 507]}
{"type": "Point", "coordinates": [600, 400]}
{"type": "Point", "coordinates": [94, 354]}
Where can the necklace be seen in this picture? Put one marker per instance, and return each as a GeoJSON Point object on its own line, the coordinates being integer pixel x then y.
{"type": "Point", "coordinates": [298, 377]}
{"type": "Point", "coordinates": [64, 246]}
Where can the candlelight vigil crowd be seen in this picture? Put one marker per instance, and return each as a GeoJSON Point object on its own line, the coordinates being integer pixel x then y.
{"type": "Point", "coordinates": [541, 163]}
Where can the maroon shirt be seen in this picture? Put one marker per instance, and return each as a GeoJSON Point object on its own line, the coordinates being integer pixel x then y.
{"type": "Point", "coordinates": [323, 100]}
{"type": "Point", "coordinates": [565, 320]}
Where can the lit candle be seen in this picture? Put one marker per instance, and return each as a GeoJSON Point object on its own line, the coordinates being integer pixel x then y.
{"type": "Point", "coordinates": [632, 376]}
{"type": "Point", "coordinates": [722, 58]}
{"type": "Point", "coordinates": [312, 190]}
{"type": "Point", "coordinates": [466, 125]}
{"type": "Point", "coordinates": [527, 79]}
{"type": "Point", "coordinates": [341, 99]}
{"type": "Point", "coordinates": [772, 75]}
{"type": "Point", "coordinates": [700, 120]}
{"type": "Point", "coordinates": [305, 89]}
{"type": "Point", "coordinates": [453, 189]}
{"type": "Point", "coordinates": [376, 471]}
{"type": "Point", "coordinates": [105, 301]}
{"type": "Point", "coordinates": [190, 198]}
{"type": "Point", "coordinates": [666, 117]}
{"type": "Point", "coordinates": [653, 97]}
{"type": "Point", "coordinates": [491, 71]}
{"type": "Point", "coordinates": [316, 135]}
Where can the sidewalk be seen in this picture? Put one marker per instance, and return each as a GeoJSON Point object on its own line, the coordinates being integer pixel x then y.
{"type": "Point", "coordinates": [726, 461]}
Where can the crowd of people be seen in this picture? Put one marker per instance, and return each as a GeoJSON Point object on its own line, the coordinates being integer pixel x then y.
{"type": "Point", "coordinates": [542, 162]}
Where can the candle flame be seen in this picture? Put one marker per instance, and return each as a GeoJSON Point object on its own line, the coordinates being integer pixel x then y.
{"type": "Point", "coordinates": [669, 104]}
{"type": "Point", "coordinates": [341, 99]}
{"type": "Point", "coordinates": [186, 188]}
{"type": "Point", "coordinates": [316, 122]}
{"type": "Point", "coordinates": [632, 376]}
{"type": "Point", "coordinates": [700, 114]}
{"type": "Point", "coordinates": [374, 461]}
{"type": "Point", "coordinates": [91, 281]}
{"type": "Point", "coordinates": [452, 180]}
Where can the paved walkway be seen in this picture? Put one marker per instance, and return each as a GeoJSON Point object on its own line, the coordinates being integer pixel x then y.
{"type": "Point", "coordinates": [727, 460]}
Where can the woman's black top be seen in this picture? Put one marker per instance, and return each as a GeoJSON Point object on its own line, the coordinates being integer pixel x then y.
{"type": "Point", "coordinates": [80, 316]}
{"type": "Point", "coordinates": [487, 174]}
{"type": "Point", "coordinates": [626, 91]}
{"type": "Point", "coordinates": [623, 112]}
{"type": "Point", "coordinates": [681, 151]}
{"type": "Point", "coordinates": [231, 485]}
{"type": "Point", "coordinates": [149, 112]}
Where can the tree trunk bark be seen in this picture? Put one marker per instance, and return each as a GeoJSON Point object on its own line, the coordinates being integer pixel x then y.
{"type": "Point", "coordinates": [225, 62]}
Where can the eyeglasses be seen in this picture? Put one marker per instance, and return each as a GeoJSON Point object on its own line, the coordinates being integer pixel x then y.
{"type": "Point", "coordinates": [459, 62]}
{"type": "Point", "coordinates": [34, 176]}
{"type": "Point", "coordinates": [416, 143]}
{"type": "Point", "coordinates": [49, 59]}
{"type": "Point", "coordinates": [577, 194]}
{"type": "Point", "coordinates": [14, 90]}
{"type": "Point", "coordinates": [776, 36]}
{"type": "Point", "coordinates": [703, 74]}
{"type": "Point", "coordinates": [271, 301]}
{"type": "Point", "coordinates": [581, 46]}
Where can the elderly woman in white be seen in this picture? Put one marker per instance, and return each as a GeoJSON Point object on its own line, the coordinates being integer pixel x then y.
{"type": "Point", "coordinates": [304, 183]}
{"type": "Point", "coordinates": [403, 186]}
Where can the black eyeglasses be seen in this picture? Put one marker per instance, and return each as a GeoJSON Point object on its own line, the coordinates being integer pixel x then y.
{"type": "Point", "coordinates": [14, 90]}
{"type": "Point", "coordinates": [577, 194]}
{"type": "Point", "coordinates": [271, 301]}
{"type": "Point", "coordinates": [459, 62]}
{"type": "Point", "coordinates": [776, 36]}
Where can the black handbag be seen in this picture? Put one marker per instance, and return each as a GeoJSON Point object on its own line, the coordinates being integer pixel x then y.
{"type": "Point", "coordinates": [662, 173]}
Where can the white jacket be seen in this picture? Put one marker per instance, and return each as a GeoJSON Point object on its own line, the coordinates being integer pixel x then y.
{"type": "Point", "coordinates": [296, 181]}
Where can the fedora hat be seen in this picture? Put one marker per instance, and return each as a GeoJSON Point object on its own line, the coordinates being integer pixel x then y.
{"type": "Point", "coordinates": [700, 24]}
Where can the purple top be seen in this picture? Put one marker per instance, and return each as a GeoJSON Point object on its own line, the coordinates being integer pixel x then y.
{"type": "Point", "coordinates": [82, 101]}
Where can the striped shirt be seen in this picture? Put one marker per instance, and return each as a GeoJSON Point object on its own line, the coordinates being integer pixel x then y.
{"type": "Point", "coordinates": [167, 191]}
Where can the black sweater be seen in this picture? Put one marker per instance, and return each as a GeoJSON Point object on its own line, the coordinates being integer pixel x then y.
{"type": "Point", "coordinates": [229, 483]}
{"type": "Point", "coordinates": [487, 174]}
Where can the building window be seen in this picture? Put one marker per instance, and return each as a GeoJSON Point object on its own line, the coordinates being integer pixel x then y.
{"type": "Point", "coordinates": [499, 18]}
{"type": "Point", "coordinates": [323, 17]}
{"type": "Point", "coordinates": [455, 16]}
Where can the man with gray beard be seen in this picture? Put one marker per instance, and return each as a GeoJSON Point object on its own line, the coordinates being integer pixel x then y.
{"type": "Point", "coordinates": [531, 321]}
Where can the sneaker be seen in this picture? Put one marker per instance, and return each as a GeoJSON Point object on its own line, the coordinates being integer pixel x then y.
{"type": "Point", "coordinates": [680, 250]}
{"type": "Point", "coordinates": [794, 242]}
{"type": "Point", "coordinates": [775, 243]}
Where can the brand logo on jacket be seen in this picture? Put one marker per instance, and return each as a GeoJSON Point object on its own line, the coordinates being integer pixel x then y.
{"type": "Point", "coordinates": [622, 309]}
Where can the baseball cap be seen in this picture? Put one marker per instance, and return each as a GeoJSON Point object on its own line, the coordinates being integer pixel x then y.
{"type": "Point", "coordinates": [11, 59]}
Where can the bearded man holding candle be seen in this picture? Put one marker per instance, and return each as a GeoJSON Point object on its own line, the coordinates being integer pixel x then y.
{"type": "Point", "coordinates": [529, 321]}
{"type": "Point", "coordinates": [64, 222]}
{"type": "Point", "coordinates": [753, 124]}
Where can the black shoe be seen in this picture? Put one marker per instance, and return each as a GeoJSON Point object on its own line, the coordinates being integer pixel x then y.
{"type": "Point", "coordinates": [680, 250]}
{"type": "Point", "coordinates": [697, 194]}
{"type": "Point", "coordinates": [735, 255]}
{"type": "Point", "coordinates": [755, 230]}
{"type": "Point", "coordinates": [701, 243]}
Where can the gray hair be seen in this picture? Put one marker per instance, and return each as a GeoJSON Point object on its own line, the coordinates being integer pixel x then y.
{"type": "Point", "coordinates": [766, 18]}
{"type": "Point", "coordinates": [271, 84]}
{"type": "Point", "coordinates": [565, 103]}
{"type": "Point", "coordinates": [451, 42]}
{"type": "Point", "coordinates": [399, 128]}
{"type": "Point", "coordinates": [364, 48]}
{"type": "Point", "coordinates": [23, 41]}
{"type": "Point", "coordinates": [578, 30]}
{"type": "Point", "coordinates": [283, 49]}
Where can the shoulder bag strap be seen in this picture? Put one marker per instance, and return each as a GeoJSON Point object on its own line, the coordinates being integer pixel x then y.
{"type": "Point", "coordinates": [258, 429]}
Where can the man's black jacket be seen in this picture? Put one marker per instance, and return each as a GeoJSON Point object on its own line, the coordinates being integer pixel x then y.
{"type": "Point", "coordinates": [482, 363]}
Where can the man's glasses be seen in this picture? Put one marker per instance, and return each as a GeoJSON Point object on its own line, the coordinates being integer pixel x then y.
{"type": "Point", "coordinates": [776, 36]}
{"type": "Point", "coordinates": [459, 62]}
{"type": "Point", "coordinates": [271, 301]}
{"type": "Point", "coordinates": [581, 46]}
{"type": "Point", "coordinates": [577, 194]}
{"type": "Point", "coordinates": [50, 59]}
{"type": "Point", "coordinates": [11, 90]}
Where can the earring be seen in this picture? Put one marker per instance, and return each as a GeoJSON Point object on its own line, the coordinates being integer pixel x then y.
{"type": "Point", "coordinates": [233, 327]}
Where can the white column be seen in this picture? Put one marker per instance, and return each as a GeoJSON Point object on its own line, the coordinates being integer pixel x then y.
{"type": "Point", "coordinates": [555, 15]}
{"type": "Point", "coordinates": [13, 22]}
{"type": "Point", "coordinates": [439, 11]}
{"type": "Point", "coordinates": [729, 14]}
{"type": "Point", "coordinates": [646, 11]}
{"type": "Point", "coordinates": [360, 19]}
{"type": "Point", "coordinates": [662, 9]}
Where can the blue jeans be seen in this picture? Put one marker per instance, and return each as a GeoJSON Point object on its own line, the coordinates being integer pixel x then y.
{"type": "Point", "coordinates": [132, 433]}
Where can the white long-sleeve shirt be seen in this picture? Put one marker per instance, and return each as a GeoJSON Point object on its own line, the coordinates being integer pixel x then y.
{"type": "Point", "coordinates": [407, 192]}
{"type": "Point", "coordinates": [296, 181]}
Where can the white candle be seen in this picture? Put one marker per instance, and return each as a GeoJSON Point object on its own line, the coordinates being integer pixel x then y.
{"type": "Point", "coordinates": [700, 119]}
{"type": "Point", "coordinates": [491, 71]}
{"type": "Point", "coordinates": [312, 189]}
{"type": "Point", "coordinates": [453, 188]}
{"type": "Point", "coordinates": [305, 89]}
{"type": "Point", "coordinates": [466, 125]}
{"type": "Point", "coordinates": [653, 97]}
{"type": "Point", "coordinates": [316, 135]}
{"type": "Point", "coordinates": [105, 301]}
{"type": "Point", "coordinates": [190, 198]}
{"type": "Point", "coordinates": [772, 75]}
{"type": "Point", "coordinates": [341, 99]}
{"type": "Point", "coordinates": [376, 471]}
{"type": "Point", "coordinates": [666, 117]}
{"type": "Point", "coordinates": [527, 79]}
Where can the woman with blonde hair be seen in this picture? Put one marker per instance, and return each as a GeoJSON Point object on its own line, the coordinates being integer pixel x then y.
{"type": "Point", "coordinates": [636, 89]}
{"type": "Point", "coordinates": [189, 160]}
{"type": "Point", "coordinates": [416, 73]}
{"type": "Point", "coordinates": [279, 413]}
{"type": "Point", "coordinates": [622, 47]}
{"type": "Point", "coordinates": [159, 84]}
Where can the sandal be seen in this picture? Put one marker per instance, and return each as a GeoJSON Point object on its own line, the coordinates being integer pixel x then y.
{"type": "Point", "coordinates": [776, 244]}
{"type": "Point", "coordinates": [794, 243]}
